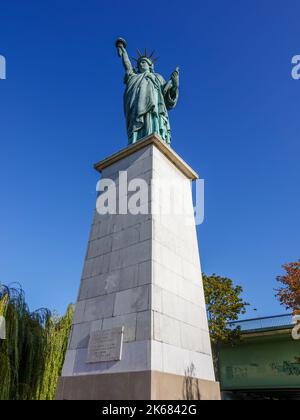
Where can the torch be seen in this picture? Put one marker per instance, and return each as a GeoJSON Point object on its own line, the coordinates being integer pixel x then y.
{"type": "Point", "coordinates": [120, 42]}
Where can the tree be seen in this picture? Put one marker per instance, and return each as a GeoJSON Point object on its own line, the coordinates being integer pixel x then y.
{"type": "Point", "coordinates": [31, 357]}
{"type": "Point", "coordinates": [224, 305]}
{"type": "Point", "coordinates": [289, 294]}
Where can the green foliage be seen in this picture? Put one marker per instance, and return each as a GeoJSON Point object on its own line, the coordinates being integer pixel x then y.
{"type": "Point", "coordinates": [55, 346]}
{"type": "Point", "coordinates": [224, 305]}
{"type": "Point", "coordinates": [31, 357]}
{"type": "Point", "coordinates": [289, 292]}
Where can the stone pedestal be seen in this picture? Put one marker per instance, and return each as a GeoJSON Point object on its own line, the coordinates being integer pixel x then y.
{"type": "Point", "coordinates": [142, 272]}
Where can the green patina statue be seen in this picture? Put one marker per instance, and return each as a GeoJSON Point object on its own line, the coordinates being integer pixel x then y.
{"type": "Point", "coordinates": [148, 97]}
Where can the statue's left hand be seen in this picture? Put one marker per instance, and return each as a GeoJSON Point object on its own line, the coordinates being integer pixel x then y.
{"type": "Point", "coordinates": [175, 78]}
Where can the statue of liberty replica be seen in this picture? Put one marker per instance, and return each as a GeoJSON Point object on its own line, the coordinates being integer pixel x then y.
{"type": "Point", "coordinates": [148, 97]}
{"type": "Point", "coordinates": [136, 333]}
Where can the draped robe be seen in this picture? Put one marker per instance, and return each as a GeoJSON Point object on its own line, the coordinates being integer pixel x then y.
{"type": "Point", "coordinates": [147, 99]}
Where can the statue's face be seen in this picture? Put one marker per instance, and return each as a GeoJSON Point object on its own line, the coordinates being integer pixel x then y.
{"type": "Point", "coordinates": [144, 66]}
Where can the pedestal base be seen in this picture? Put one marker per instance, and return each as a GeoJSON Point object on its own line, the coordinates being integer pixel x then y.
{"type": "Point", "coordinates": [145, 385]}
{"type": "Point", "coordinates": [142, 274]}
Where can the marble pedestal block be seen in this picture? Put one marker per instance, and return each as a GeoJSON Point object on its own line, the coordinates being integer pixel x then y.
{"type": "Point", "coordinates": [142, 275]}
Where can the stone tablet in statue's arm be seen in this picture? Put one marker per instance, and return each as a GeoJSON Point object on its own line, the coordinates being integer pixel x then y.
{"type": "Point", "coordinates": [171, 90]}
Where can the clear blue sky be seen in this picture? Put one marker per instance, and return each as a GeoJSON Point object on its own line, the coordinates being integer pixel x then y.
{"type": "Point", "coordinates": [237, 124]}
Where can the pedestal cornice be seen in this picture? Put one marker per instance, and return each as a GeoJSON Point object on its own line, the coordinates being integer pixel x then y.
{"type": "Point", "coordinates": [151, 140]}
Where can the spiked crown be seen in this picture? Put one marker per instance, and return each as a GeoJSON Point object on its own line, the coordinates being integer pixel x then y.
{"type": "Point", "coordinates": [145, 56]}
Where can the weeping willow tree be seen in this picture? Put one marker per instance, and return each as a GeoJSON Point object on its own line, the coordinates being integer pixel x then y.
{"type": "Point", "coordinates": [32, 355]}
{"type": "Point", "coordinates": [56, 336]}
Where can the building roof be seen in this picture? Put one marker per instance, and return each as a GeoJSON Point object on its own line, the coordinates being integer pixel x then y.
{"type": "Point", "coordinates": [278, 322]}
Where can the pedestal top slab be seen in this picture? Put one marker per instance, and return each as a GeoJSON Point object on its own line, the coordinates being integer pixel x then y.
{"type": "Point", "coordinates": [151, 140]}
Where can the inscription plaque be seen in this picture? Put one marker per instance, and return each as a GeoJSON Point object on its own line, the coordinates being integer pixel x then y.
{"type": "Point", "coordinates": [105, 345]}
